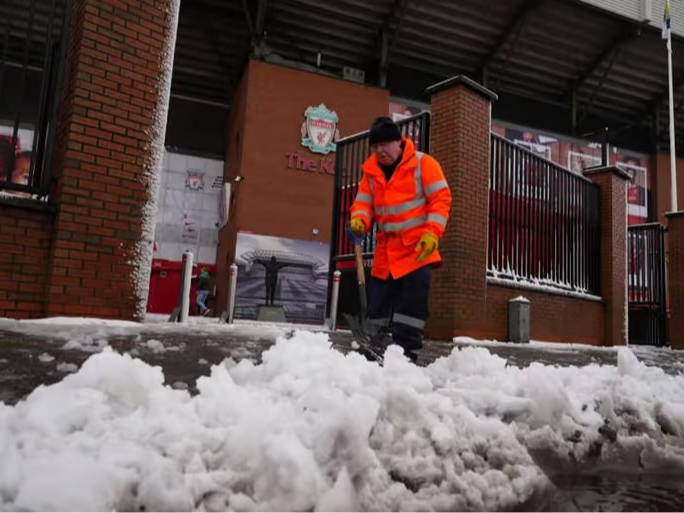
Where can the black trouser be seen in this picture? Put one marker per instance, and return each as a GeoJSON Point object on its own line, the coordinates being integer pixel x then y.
{"type": "Point", "coordinates": [401, 306]}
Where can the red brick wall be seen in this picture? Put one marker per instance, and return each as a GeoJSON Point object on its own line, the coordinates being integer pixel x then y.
{"type": "Point", "coordinates": [276, 100]}
{"type": "Point", "coordinates": [274, 199]}
{"type": "Point", "coordinates": [225, 253]}
{"type": "Point", "coordinates": [675, 255]}
{"type": "Point", "coordinates": [457, 296]}
{"type": "Point", "coordinates": [553, 318]}
{"type": "Point", "coordinates": [461, 300]}
{"type": "Point", "coordinates": [25, 241]}
{"type": "Point", "coordinates": [105, 135]}
{"type": "Point", "coordinates": [613, 190]}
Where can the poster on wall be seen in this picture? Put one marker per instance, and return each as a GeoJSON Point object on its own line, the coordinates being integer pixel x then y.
{"type": "Point", "coordinates": [18, 157]}
{"type": "Point", "coordinates": [573, 154]}
{"type": "Point", "coordinates": [399, 110]}
{"type": "Point", "coordinates": [290, 273]}
{"type": "Point", "coordinates": [536, 143]}
{"type": "Point", "coordinates": [577, 155]}
{"type": "Point", "coordinates": [189, 207]}
{"type": "Point", "coordinates": [637, 194]}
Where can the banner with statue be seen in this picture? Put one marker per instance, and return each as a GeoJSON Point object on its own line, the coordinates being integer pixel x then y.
{"type": "Point", "coordinates": [282, 272]}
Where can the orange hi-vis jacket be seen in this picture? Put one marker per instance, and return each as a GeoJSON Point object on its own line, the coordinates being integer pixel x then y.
{"type": "Point", "coordinates": [415, 200]}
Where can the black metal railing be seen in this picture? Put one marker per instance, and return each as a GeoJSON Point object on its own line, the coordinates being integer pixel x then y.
{"type": "Point", "coordinates": [647, 284]}
{"type": "Point", "coordinates": [544, 224]}
{"type": "Point", "coordinates": [33, 39]}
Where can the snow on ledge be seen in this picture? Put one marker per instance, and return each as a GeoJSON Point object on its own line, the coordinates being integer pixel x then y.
{"type": "Point", "coordinates": [536, 344]}
{"type": "Point", "coordinates": [535, 287]}
{"type": "Point", "coordinates": [74, 321]}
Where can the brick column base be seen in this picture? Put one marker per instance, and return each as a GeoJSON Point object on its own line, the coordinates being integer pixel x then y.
{"type": "Point", "coordinates": [612, 183]}
{"type": "Point", "coordinates": [459, 139]}
{"type": "Point", "coordinates": [675, 276]}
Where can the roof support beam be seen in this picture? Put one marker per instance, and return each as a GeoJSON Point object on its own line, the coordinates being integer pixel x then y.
{"type": "Point", "coordinates": [256, 26]}
{"type": "Point", "coordinates": [608, 53]}
{"type": "Point", "coordinates": [512, 32]}
{"type": "Point", "coordinates": [384, 56]}
{"type": "Point", "coordinates": [395, 20]}
{"type": "Point", "coordinates": [210, 35]}
{"type": "Point", "coordinates": [573, 111]}
{"type": "Point", "coordinates": [588, 106]}
{"type": "Point", "coordinates": [389, 34]}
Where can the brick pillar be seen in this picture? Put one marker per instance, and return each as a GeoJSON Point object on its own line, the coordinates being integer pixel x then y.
{"type": "Point", "coordinates": [675, 277]}
{"type": "Point", "coordinates": [613, 183]}
{"type": "Point", "coordinates": [108, 155]}
{"type": "Point", "coordinates": [459, 139]}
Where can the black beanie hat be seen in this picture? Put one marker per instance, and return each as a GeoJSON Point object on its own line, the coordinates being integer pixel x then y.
{"type": "Point", "coordinates": [384, 129]}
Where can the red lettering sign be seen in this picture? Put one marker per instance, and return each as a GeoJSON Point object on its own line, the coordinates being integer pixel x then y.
{"type": "Point", "coordinates": [322, 166]}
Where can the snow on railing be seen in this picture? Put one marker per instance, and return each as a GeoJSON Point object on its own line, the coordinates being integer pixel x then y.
{"type": "Point", "coordinates": [543, 221]}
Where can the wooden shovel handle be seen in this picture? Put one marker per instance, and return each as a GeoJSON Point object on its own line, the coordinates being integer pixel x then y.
{"type": "Point", "coordinates": [360, 272]}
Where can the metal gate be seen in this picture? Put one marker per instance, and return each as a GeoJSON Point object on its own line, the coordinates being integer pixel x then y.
{"type": "Point", "coordinates": [351, 152]}
{"type": "Point", "coordinates": [646, 285]}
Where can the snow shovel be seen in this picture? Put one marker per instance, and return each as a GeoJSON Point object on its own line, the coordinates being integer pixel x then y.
{"type": "Point", "coordinates": [359, 324]}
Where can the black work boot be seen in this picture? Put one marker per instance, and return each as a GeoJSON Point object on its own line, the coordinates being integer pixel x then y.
{"type": "Point", "coordinates": [381, 341]}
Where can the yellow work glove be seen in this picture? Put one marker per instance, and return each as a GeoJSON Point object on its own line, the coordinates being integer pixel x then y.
{"type": "Point", "coordinates": [357, 227]}
{"type": "Point", "coordinates": [426, 246]}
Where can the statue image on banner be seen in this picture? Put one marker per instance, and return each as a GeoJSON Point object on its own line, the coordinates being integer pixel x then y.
{"type": "Point", "coordinates": [287, 274]}
{"type": "Point", "coordinates": [272, 267]}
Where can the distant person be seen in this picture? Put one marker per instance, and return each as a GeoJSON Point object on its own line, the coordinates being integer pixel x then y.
{"type": "Point", "coordinates": [203, 291]}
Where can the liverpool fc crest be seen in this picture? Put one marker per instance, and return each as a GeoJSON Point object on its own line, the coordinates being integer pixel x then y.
{"type": "Point", "coordinates": [319, 131]}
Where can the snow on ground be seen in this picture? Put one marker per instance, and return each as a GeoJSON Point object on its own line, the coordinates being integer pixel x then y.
{"type": "Point", "coordinates": [92, 334]}
{"type": "Point", "coordinates": [67, 367]}
{"type": "Point", "coordinates": [46, 358]}
{"type": "Point", "coordinates": [313, 429]}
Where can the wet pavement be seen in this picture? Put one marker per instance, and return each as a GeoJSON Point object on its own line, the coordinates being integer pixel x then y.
{"type": "Point", "coordinates": [30, 360]}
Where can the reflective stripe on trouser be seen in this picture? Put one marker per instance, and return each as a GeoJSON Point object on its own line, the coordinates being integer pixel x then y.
{"type": "Point", "coordinates": [405, 302]}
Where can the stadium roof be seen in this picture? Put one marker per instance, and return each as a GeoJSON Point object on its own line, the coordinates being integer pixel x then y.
{"type": "Point", "coordinates": [574, 67]}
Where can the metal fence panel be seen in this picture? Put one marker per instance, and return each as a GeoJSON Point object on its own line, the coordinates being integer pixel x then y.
{"type": "Point", "coordinates": [543, 221]}
{"type": "Point", "coordinates": [647, 284]}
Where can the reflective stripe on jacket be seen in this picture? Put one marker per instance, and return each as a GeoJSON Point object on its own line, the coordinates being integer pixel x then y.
{"type": "Point", "coordinates": [415, 200]}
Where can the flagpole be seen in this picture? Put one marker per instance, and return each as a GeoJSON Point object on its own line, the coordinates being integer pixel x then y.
{"type": "Point", "coordinates": [673, 162]}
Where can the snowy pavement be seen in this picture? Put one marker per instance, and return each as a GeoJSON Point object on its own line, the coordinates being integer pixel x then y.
{"type": "Point", "coordinates": [280, 419]}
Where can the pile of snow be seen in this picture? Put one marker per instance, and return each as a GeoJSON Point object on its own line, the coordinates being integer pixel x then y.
{"type": "Point", "coordinates": [46, 358]}
{"type": "Point", "coordinates": [67, 367]}
{"type": "Point", "coordinates": [156, 346]}
{"type": "Point", "coordinates": [312, 429]}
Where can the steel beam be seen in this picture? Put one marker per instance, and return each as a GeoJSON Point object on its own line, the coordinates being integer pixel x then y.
{"type": "Point", "coordinates": [512, 31]}
{"type": "Point", "coordinates": [608, 53]}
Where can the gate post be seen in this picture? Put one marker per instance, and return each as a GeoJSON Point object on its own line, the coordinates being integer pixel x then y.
{"type": "Point", "coordinates": [108, 154]}
{"type": "Point", "coordinates": [460, 139]}
{"type": "Point", "coordinates": [612, 183]}
{"type": "Point", "coordinates": [675, 272]}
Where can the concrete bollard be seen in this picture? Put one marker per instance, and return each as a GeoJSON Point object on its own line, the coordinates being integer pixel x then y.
{"type": "Point", "coordinates": [519, 320]}
{"type": "Point", "coordinates": [185, 285]}
{"type": "Point", "coordinates": [337, 275]}
{"type": "Point", "coordinates": [233, 289]}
